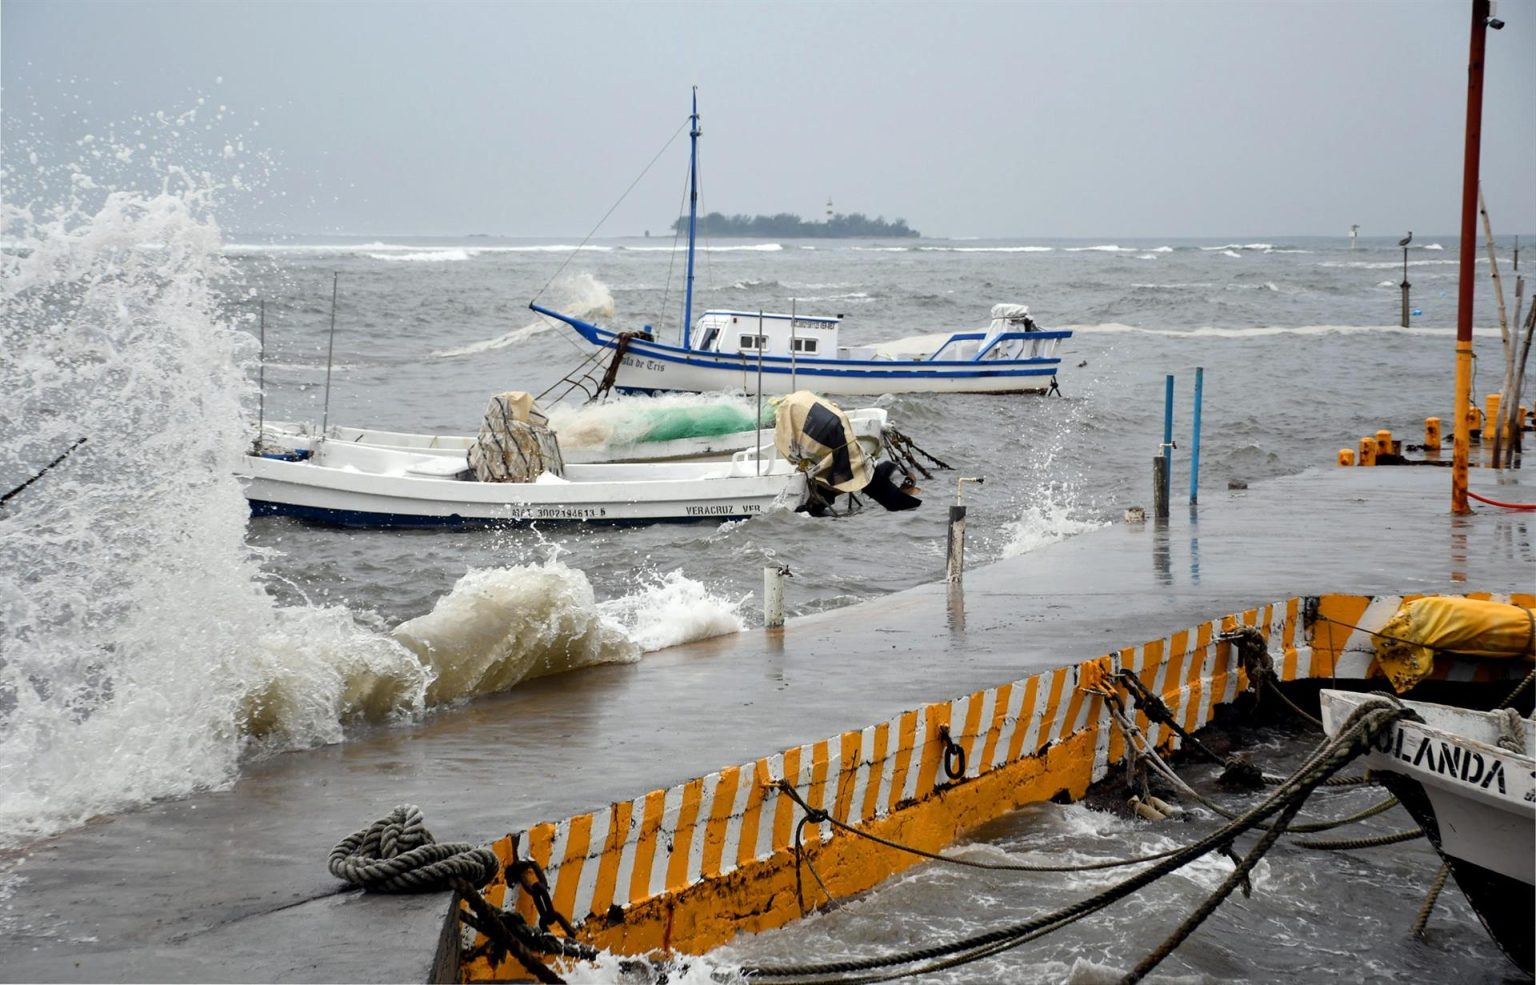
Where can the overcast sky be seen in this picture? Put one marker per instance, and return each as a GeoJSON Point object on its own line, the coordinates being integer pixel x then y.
{"type": "Point", "coordinates": [1029, 119]}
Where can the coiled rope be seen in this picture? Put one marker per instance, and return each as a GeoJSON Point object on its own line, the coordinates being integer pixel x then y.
{"type": "Point", "coordinates": [397, 854]}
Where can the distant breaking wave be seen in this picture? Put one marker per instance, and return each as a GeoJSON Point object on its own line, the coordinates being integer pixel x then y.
{"type": "Point", "coordinates": [1213, 331]}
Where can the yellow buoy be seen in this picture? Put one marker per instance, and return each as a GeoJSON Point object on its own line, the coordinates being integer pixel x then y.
{"type": "Point", "coordinates": [1368, 451]}
{"type": "Point", "coordinates": [1346, 456]}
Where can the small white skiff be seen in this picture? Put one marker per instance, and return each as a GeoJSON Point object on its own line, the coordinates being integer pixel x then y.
{"type": "Point", "coordinates": [358, 485]}
{"type": "Point", "coordinates": [868, 426]}
{"type": "Point", "coordinates": [1469, 779]}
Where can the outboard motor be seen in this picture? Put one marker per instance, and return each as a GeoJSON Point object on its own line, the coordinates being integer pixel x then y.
{"type": "Point", "coordinates": [817, 437]}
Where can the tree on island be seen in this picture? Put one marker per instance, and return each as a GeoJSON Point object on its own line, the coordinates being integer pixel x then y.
{"type": "Point", "coordinates": [791, 226]}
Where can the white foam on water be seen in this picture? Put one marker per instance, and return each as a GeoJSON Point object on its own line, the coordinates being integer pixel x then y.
{"type": "Point", "coordinates": [1050, 510]}
{"type": "Point", "coordinates": [499, 627]}
{"type": "Point", "coordinates": [142, 657]}
{"type": "Point", "coordinates": [580, 295]}
{"type": "Point", "coordinates": [1231, 253]}
{"type": "Point", "coordinates": [426, 256]}
{"type": "Point", "coordinates": [671, 609]}
{"type": "Point", "coordinates": [988, 249]}
{"type": "Point", "coordinates": [1099, 249]}
{"type": "Point", "coordinates": [1213, 331]}
{"type": "Point", "coordinates": [753, 248]}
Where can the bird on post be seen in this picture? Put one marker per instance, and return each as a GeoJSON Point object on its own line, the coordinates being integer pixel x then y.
{"type": "Point", "coordinates": [1406, 239]}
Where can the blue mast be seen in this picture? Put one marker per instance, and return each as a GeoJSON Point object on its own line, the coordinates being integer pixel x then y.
{"type": "Point", "coordinates": [693, 217]}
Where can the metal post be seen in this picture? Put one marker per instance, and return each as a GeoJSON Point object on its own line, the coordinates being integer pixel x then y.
{"type": "Point", "coordinates": [1405, 285]}
{"type": "Point", "coordinates": [330, 352]}
{"type": "Point", "coordinates": [954, 566]}
{"type": "Point", "coordinates": [793, 382]}
{"type": "Point", "coordinates": [1160, 488]}
{"type": "Point", "coordinates": [261, 372]}
{"type": "Point", "coordinates": [693, 216]}
{"type": "Point", "coordinates": [1167, 472]}
{"type": "Point", "coordinates": [1194, 449]}
{"type": "Point", "coordinates": [1467, 269]}
{"type": "Point", "coordinates": [773, 596]}
{"type": "Point", "coordinates": [761, 341]}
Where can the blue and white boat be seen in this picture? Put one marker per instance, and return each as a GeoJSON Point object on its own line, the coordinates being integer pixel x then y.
{"type": "Point", "coordinates": [773, 352]}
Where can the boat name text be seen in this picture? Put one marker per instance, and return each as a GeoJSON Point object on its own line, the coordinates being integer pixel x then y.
{"type": "Point", "coordinates": [1467, 765]}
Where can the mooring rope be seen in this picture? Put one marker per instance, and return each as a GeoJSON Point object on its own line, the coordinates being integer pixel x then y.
{"type": "Point", "coordinates": [1353, 739]}
{"type": "Point", "coordinates": [397, 854]}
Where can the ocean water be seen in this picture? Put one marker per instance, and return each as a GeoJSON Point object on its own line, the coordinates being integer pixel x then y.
{"type": "Point", "coordinates": [154, 642]}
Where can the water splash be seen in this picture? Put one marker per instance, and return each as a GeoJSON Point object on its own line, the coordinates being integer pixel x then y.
{"type": "Point", "coordinates": [580, 295]}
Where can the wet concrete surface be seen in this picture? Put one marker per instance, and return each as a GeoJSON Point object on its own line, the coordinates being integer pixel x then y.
{"type": "Point", "coordinates": [232, 886]}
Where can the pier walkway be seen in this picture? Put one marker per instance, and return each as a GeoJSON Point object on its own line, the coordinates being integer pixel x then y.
{"type": "Point", "coordinates": [232, 886]}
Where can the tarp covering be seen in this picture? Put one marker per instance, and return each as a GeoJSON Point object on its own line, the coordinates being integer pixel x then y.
{"type": "Point", "coordinates": [1406, 645]}
{"type": "Point", "coordinates": [816, 435]}
{"type": "Point", "coordinates": [514, 444]}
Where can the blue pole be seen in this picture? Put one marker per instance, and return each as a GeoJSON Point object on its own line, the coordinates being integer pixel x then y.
{"type": "Point", "coordinates": [693, 216]}
{"type": "Point", "coordinates": [1167, 435]}
{"type": "Point", "coordinates": [1194, 451]}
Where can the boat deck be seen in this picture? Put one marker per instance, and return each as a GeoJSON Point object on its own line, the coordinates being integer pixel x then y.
{"type": "Point", "coordinates": [233, 885]}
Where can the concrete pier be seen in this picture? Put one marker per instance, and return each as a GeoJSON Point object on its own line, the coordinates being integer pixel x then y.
{"type": "Point", "coordinates": [232, 886]}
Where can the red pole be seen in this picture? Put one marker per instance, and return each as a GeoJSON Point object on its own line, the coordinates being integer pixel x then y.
{"type": "Point", "coordinates": [1468, 269]}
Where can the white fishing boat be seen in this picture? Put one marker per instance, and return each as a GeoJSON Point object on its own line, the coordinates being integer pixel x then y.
{"type": "Point", "coordinates": [1469, 779]}
{"type": "Point", "coordinates": [513, 473]}
{"type": "Point", "coordinates": [868, 426]}
{"type": "Point", "coordinates": [775, 353]}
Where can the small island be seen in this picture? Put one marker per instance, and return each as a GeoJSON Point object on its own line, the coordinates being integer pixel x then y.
{"type": "Point", "coordinates": [788, 226]}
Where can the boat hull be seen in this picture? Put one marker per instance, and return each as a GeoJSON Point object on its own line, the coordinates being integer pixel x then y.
{"type": "Point", "coordinates": [349, 498]}
{"type": "Point", "coordinates": [1476, 802]}
{"type": "Point", "coordinates": [657, 367]}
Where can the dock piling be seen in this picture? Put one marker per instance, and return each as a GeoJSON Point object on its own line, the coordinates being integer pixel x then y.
{"type": "Point", "coordinates": [1194, 443]}
{"type": "Point", "coordinates": [773, 596]}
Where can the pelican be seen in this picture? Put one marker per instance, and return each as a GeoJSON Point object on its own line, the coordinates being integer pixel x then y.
{"type": "Point", "coordinates": [1406, 239]}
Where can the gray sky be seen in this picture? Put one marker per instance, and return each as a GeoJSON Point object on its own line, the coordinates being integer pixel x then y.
{"type": "Point", "coordinates": [1031, 119]}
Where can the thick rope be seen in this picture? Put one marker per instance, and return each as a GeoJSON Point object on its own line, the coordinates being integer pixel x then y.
{"type": "Point", "coordinates": [1422, 920]}
{"type": "Point", "coordinates": [397, 854]}
{"type": "Point", "coordinates": [1138, 741]}
{"type": "Point", "coordinates": [815, 816]}
{"type": "Point", "coordinates": [1354, 738]}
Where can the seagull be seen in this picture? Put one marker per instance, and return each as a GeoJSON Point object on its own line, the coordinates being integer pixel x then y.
{"type": "Point", "coordinates": [1406, 239]}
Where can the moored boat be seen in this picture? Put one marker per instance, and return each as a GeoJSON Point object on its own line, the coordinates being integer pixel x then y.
{"type": "Point", "coordinates": [1469, 780]}
{"type": "Point", "coordinates": [513, 473]}
{"type": "Point", "coordinates": [774, 353]}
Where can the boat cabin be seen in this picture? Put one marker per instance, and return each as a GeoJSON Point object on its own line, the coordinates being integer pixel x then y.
{"type": "Point", "coordinates": [750, 333]}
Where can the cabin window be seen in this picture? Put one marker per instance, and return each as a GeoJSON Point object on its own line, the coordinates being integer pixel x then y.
{"type": "Point", "coordinates": [709, 338]}
{"type": "Point", "coordinates": [803, 345]}
{"type": "Point", "coordinates": [753, 342]}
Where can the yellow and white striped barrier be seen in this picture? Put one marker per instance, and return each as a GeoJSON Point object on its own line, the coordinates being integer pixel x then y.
{"type": "Point", "coordinates": [689, 867]}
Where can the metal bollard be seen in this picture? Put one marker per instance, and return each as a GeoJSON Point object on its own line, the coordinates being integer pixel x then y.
{"type": "Point", "coordinates": [773, 596]}
{"type": "Point", "coordinates": [1368, 451]}
{"type": "Point", "coordinates": [954, 566]}
{"type": "Point", "coordinates": [1432, 434]}
{"type": "Point", "coordinates": [1346, 456]}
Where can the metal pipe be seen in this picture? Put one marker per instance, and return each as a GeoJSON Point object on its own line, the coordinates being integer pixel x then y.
{"type": "Point", "coordinates": [330, 351]}
{"type": "Point", "coordinates": [761, 340]}
{"type": "Point", "coordinates": [1194, 449]}
{"type": "Point", "coordinates": [1167, 441]}
{"type": "Point", "coordinates": [1467, 270]}
{"type": "Point", "coordinates": [954, 564]}
{"type": "Point", "coordinates": [693, 216]}
{"type": "Point", "coordinates": [261, 371]}
{"type": "Point", "coordinates": [773, 596]}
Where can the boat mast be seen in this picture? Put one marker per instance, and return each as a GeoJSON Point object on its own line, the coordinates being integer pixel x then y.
{"type": "Point", "coordinates": [693, 216]}
{"type": "Point", "coordinates": [1467, 272]}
